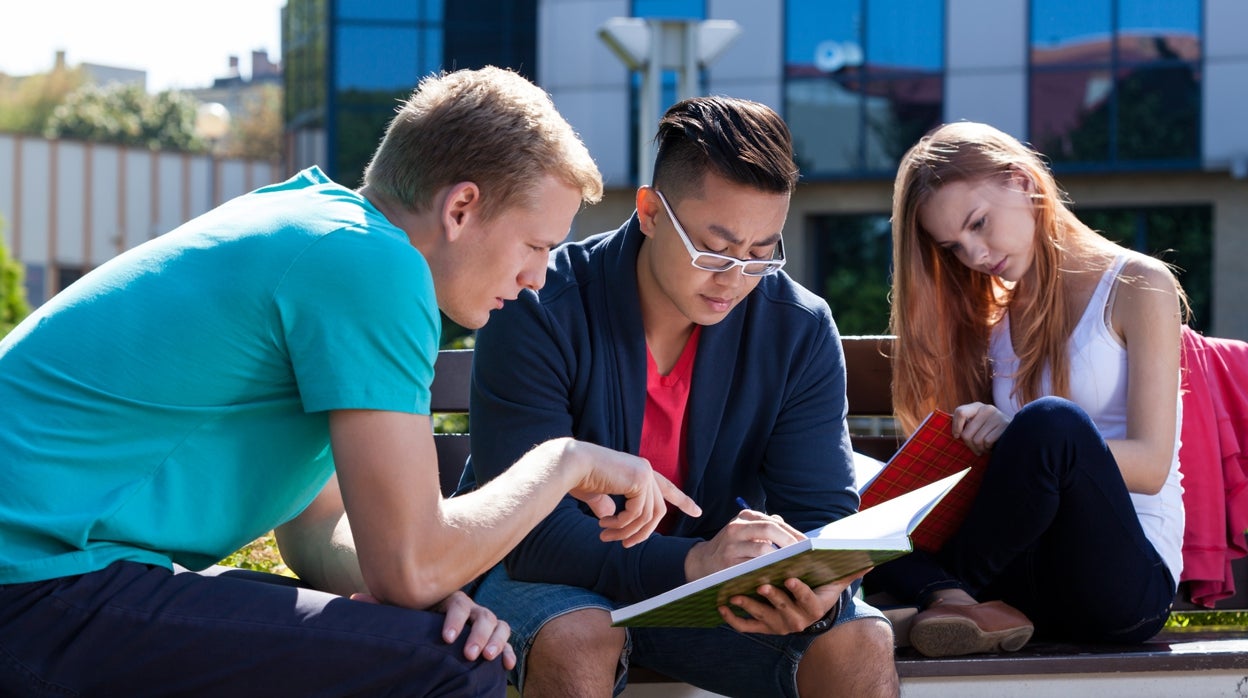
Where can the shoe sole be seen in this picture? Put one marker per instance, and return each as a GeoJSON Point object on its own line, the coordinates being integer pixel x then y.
{"type": "Point", "coordinates": [950, 637]}
{"type": "Point", "coordinates": [900, 617]}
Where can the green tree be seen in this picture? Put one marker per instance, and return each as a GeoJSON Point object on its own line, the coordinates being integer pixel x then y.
{"type": "Point", "coordinates": [13, 305]}
{"type": "Point", "coordinates": [26, 104]}
{"type": "Point", "coordinates": [127, 115]}
{"type": "Point", "coordinates": [853, 255]}
{"type": "Point", "coordinates": [258, 133]}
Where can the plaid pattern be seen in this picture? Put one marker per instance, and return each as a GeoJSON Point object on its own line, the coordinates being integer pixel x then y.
{"type": "Point", "coordinates": [930, 454]}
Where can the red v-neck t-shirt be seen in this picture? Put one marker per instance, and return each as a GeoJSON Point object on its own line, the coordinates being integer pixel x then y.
{"type": "Point", "coordinates": [663, 427]}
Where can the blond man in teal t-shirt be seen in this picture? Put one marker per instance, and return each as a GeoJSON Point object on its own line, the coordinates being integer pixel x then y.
{"type": "Point", "coordinates": [267, 365]}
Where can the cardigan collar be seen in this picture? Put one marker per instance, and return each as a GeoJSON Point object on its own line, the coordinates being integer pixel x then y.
{"type": "Point", "coordinates": [713, 367]}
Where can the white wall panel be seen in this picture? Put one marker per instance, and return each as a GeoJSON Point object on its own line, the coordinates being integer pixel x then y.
{"type": "Point", "coordinates": [998, 99]}
{"type": "Point", "coordinates": [588, 84]}
{"type": "Point", "coordinates": [106, 238]}
{"type": "Point", "coordinates": [1225, 108]}
{"type": "Point", "coordinates": [136, 197]}
{"type": "Point", "coordinates": [32, 225]}
{"type": "Point", "coordinates": [754, 62]}
{"type": "Point", "coordinates": [171, 177]}
{"type": "Point", "coordinates": [986, 34]}
{"type": "Point", "coordinates": [986, 63]}
{"type": "Point", "coordinates": [68, 197]}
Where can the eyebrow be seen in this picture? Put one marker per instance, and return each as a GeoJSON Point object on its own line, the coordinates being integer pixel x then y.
{"type": "Point", "coordinates": [969, 215]}
{"type": "Point", "coordinates": [728, 236]}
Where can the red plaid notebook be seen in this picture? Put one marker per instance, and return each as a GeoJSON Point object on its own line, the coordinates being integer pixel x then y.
{"type": "Point", "coordinates": [930, 454]}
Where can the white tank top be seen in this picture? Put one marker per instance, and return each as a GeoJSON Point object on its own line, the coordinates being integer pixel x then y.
{"type": "Point", "coordinates": [1098, 384]}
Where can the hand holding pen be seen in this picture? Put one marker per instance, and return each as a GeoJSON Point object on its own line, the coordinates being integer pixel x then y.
{"type": "Point", "coordinates": [746, 506]}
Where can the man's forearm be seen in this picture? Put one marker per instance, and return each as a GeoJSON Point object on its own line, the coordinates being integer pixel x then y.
{"type": "Point", "coordinates": [324, 560]}
{"type": "Point", "coordinates": [322, 554]}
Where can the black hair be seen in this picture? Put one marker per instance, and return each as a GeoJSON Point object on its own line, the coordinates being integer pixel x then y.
{"type": "Point", "coordinates": [740, 140]}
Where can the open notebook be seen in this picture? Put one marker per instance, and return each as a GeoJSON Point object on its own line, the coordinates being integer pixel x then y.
{"type": "Point", "coordinates": [838, 550]}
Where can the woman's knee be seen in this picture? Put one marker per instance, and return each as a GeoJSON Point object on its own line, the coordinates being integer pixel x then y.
{"type": "Point", "coordinates": [1052, 413]}
{"type": "Point", "coordinates": [1049, 422]}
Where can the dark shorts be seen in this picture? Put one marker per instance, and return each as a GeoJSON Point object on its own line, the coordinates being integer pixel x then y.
{"type": "Point", "coordinates": [717, 659]}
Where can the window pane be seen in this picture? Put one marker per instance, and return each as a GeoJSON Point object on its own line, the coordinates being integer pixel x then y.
{"type": "Point", "coordinates": [670, 9]}
{"type": "Point", "coordinates": [822, 37]}
{"type": "Point", "coordinates": [384, 58]}
{"type": "Point", "coordinates": [1179, 235]}
{"type": "Point", "coordinates": [358, 130]}
{"type": "Point", "coordinates": [1159, 113]}
{"type": "Point", "coordinates": [497, 32]}
{"type": "Point", "coordinates": [1159, 30]}
{"type": "Point", "coordinates": [1070, 114]}
{"type": "Point", "coordinates": [905, 35]}
{"type": "Point", "coordinates": [1070, 31]}
{"type": "Point", "coordinates": [898, 113]}
{"type": "Point", "coordinates": [409, 10]}
{"type": "Point", "coordinates": [853, 98]}
{"type": "Point", "coordinates": [853, 255]}
{"type": "Point", "coordinates": [826, 123]}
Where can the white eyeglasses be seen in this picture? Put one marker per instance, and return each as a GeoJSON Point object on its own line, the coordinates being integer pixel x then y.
{"type": "Point", "coordinates": [710, 261]}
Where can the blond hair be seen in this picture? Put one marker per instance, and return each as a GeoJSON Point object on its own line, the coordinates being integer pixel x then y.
{"type": "Point", "coordinates": [489, 126]}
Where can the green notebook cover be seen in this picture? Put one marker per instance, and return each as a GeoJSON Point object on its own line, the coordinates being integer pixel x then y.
{"type": "Point", "coordinates": [840, 549]}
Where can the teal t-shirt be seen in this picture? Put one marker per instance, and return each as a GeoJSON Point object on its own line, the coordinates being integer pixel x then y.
{"type": "Point", "coordinates": [170, 406]}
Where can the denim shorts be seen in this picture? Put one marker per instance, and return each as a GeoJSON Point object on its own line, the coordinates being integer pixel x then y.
{"type": "Point", "coordinates": [720, 659]}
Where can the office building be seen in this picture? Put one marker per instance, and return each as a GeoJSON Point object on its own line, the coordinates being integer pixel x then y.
{"type": "Point", "coordinates": [1139, 104]}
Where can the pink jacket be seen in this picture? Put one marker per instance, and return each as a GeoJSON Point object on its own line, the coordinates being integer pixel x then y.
{"type": "Point", "coordinates": [1214, 461]}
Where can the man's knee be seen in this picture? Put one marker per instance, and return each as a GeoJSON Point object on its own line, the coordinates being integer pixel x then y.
{"type": "Point", "coordinates": [580, 643]}
{"type": "Point", "coordinates": [858, 641]}
{"type": "Point", "coordinates": [854, 658]}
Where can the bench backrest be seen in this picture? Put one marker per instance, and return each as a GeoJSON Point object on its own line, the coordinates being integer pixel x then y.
{"type": "Point", "coordinates": [867, 389]}
{"type": "Point", "coordinates": [868, 379]}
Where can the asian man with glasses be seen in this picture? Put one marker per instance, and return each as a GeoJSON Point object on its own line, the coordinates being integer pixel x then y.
{"type": "Point", "coordinates": [678, 338]}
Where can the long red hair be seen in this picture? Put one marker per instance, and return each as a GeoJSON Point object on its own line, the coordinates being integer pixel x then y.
{"type": "Point", "coordinates": [942, 311]}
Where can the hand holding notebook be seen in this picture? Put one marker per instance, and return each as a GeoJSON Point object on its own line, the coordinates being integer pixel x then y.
{"type": "Point", "coordinates": [930, 454]}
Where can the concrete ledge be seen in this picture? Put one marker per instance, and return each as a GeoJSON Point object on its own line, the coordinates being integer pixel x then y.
{"type": "Point", "coordinates": [1174, 663]}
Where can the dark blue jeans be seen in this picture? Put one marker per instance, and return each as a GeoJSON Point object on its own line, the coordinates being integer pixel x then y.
{"type": "Point", "coordinates": [137, 630]}
{"type": "Point", "coordinates": [1053, 533]}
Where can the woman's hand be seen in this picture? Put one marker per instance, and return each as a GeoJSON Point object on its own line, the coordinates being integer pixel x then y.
{"type": "Point", "coordinates": [979, 425]}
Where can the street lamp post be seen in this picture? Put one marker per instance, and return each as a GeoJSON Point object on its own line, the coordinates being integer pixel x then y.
{"type": "Point", "coordinates": [650, 46]}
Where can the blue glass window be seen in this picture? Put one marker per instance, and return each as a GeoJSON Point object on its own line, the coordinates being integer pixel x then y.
{"type": "Point", "coordinates": [385, 58]}
{"type": "Point", "coordinates": [389, 10]}
{"type": "Point", "coordinates": [863, 81]}
{"type": "Point", "coordinates": [670, 9]}
{"type": "Point", "coordinates": [1116, 82]}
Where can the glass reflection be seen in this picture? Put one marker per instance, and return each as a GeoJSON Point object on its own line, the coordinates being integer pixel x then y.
{"type": "Point", "coordinates": [863, 80]}
{"type": "Point", "coordinates": [671, 9]}
{"type": "Point", "coordinates": [387, 9]}
{"type": "Point", "coordinates": [1116, 80]}
{"type": "Point", "coordinates": [406, 51]}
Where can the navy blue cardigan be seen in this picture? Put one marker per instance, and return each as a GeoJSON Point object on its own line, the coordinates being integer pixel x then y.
{"type": "Point", "coordinates": [766, 411]}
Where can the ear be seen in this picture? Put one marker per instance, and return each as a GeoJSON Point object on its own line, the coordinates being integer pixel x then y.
{"type": "Point", "coordinates": [462, 203]}
{"type": "Point", "coordinates": [649, 208]}
{"type": "Point", "coordinates": [1022, 180]}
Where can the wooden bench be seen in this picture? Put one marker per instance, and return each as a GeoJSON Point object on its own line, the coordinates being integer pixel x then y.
{"type": "Point", "coordinates": [1211, 662]}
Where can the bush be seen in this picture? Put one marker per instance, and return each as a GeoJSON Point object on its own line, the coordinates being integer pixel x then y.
{"type": "Point", "coordinates": [13, 305]}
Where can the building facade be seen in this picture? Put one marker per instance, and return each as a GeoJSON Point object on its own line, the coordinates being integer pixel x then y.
{"type": "Point", "coordinates": [1138, 104]}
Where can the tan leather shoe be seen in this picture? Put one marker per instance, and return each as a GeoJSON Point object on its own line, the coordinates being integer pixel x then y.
{"type": "Point", "coordinates": [948, 630]}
